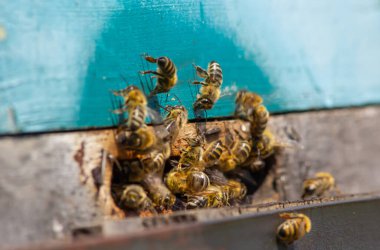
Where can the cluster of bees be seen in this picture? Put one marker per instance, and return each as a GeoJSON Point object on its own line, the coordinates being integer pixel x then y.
{"type": "Point", "coordinates": [200, 178]}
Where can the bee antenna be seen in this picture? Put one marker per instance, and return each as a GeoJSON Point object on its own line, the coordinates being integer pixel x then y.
{"type": "Point", "coordinates": [176, 97]}
{"type": "Point", "coordinates": [124, 78]}
{"type": "Point", "coordinates": [164, 108]}
{"type": "Point", "coordinates": [141, 83]}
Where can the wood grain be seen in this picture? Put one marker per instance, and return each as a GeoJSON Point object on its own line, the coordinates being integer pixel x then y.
{"type": "Point", "coordinates": [50, 183]}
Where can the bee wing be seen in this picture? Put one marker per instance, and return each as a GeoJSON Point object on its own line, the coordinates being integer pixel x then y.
{"type": "Point", "coordinates": [171, 127]}
{"type": "Point", "coordinates": [216, 177]}
{"type": "Point", "coordinates": [200, 72]}
{"type": "Point", "coordinates": [155, 116]}
{"type": "Point", "coordinates": [119, 111]}
{"type": "Point", "coordinates": [121, 92]}
{"type": "Point", "coordinates": [162, 133]}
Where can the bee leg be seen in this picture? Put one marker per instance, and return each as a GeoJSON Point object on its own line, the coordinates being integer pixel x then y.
{"type": "Point", "coordinates": [150, 59]}
{"type": "Point", "coordinates": [115, 161]}
{"type": "Point", "coordinates": [200, 72]}
{"type": "Point", "coordinates": [119, 111]}
{"type": "Point", "coordinates": [151, 72]}
{"type": "Point", "coordinates": [198, 82]}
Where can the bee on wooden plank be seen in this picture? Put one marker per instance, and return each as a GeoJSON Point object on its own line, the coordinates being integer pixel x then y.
{"type": "Point", "coordinates": [209, 92]}
{"type": "Point", "coordinates": [166, 74]}
{"type": "Point", "coordinates": [295, 226]}
{"type": "Point", "coordinates": [318, 185]}
{"type": "Point", "coordinates": [181, 181]}
{"type": "Point", "coordinates": [135, 198]}
{"type": "Point", "coordinates": [175, 120]}
{"type": "Point", "coordinates": [158, 192]}
{"type": "Point", "coordinates": [212, 197]}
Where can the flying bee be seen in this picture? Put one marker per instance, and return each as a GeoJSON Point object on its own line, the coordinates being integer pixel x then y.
{"type": "Point", "coordinates": [319, 185]}
{"type": "Point", "coordinates": [210, 89]}
{"type": "Point", "coordinates": [158, 192]}
{"type": "Point", "coordinates": [135, 103]}
{"type": "Point", "coordinates": [212, 197]}
{"type": "Point", "coordinates": [134, 197]}
{"type": "Point", "coordinates": [175, 120]}
{"type": "Point", "coordinates": [166, 74]}
{"type": "Point", "coordinates": [295, 226]}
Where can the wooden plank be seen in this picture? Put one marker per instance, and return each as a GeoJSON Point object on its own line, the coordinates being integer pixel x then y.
{"type": "Point", "coordinates": [77, 51]}
{"type": "Point", "coordinates": [350, 224]}
{"type": "Point", "coordinates": [57, 174]}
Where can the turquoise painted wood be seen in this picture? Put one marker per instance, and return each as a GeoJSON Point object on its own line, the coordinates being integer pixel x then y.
{"type": "Point", "coordinates": [59, 59]}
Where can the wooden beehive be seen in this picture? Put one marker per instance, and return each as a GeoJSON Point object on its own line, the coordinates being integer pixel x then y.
{"type": "Point", "coordinates": [60, 59]}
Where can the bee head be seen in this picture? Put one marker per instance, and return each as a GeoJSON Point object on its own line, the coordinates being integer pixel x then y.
{"type": "Point", "coordinates": [195, 202]}
{"type": "Point", "coordinates": [130, 88]}
{"type": "Point", "coordinates": [133, 140]}
{"type": "Point", "coordinates": [162, 61]}
{"type": "Point", "coordinates": [121, 139]}
{"type": "Point", "coordinates": [203, 103]}
{"type": "Point", "coordinates": [132, 195]}
{"type": "Point", "coordinates": [169, 200]}
{"type": "Point", "coordinates": [128, 139]}
{"type": "Point", "coordinates": [308, 190]}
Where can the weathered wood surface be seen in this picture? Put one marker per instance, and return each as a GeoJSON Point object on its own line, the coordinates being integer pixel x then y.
{"type": "Point", "coordinates": [61, 79]}
{"type": "Point", "coordinates": [347, 224]}
{"type": "Point", "coordinates": [49, 183]}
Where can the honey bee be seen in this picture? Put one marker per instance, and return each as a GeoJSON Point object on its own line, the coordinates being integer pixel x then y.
{"type": "Point", "coordinates": [210, 90]}
{"type": "Point", "coordinates": [235, 156]}
{"type": "Point", "coordinates": [166, 74]}
{"type": "Point", "coordinates": [249, 107]}
{"type": "Point", "coordinates": [197, 181]}
{"type": "Point", "coordinates": [158, 192]}
{"type": "Point", "coordinates": [134, 197]}
{"type": "Point", "coordinates": [245, 104]}
{"type": "Point", "coordinates": [176, 181]}
{"type": "Point", "coordinates": [192, 155]}
{"type": "Point", "coordinates": [260, 121]}
{"type": "Point", "coordinates": [294, 227]}
{"type": "Point", "coordinates": [213, 151]}
{"type": "Point", "coordinates": [236, 190]}
{"type": "Point", "coordinates": [212, 197]}
{"type": "Point", "coordinates": [265, 146]}
{"type": "Point", "coordinates": [319, 185]}
{"type": "Point", "coordinates": [135, 103]}
{"type": "Point", "coordinates": [175, 120]}
{"type": "Point", "coordinates": [181, 181]}
{"type": "Point", "coordinates": [142, 139]}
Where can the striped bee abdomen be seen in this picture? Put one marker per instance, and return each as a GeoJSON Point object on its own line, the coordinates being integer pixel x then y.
{"type": "Point", "coordinates": [166, 66]}
{"type": "Point", "coordinates": [214, 151]}
{"type": "Point", "coordinates": [136, 118]}
{"type": "Point", "coordinates": [260, 121]}
{"type": "Point", "coordinates": [215, 74]}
